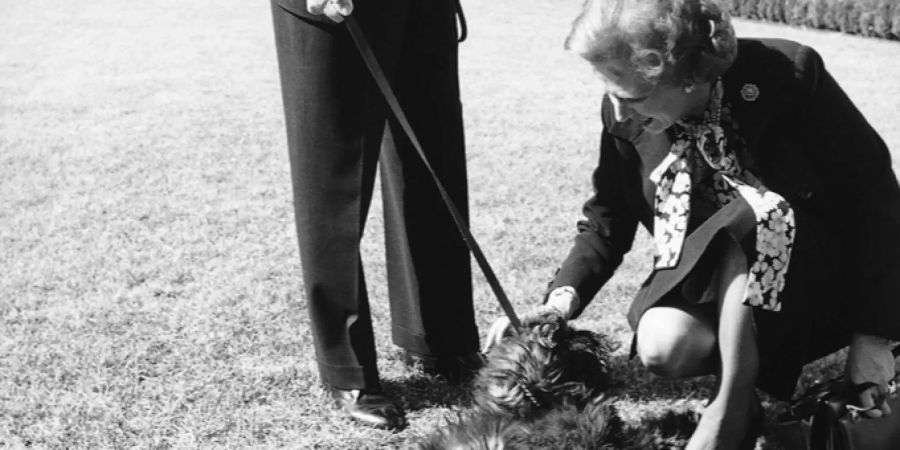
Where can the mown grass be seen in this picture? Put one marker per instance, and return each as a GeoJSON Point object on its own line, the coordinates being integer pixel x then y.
{"type": "Point", "coordinates": [150, 294]}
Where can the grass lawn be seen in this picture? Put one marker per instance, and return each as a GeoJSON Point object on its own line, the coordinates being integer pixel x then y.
{"type": "Point", "coordinates": [150, 294]}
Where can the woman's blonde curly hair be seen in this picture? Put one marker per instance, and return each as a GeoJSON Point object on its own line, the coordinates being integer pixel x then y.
{"type": "Point", "coordinates": [675, 42]}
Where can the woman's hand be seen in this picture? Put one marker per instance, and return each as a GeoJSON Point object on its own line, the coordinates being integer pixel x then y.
{"type": "Point", "coordinates": [870, 360]}
{"type": "Point", "coordinates": [336, 10]}
{"type": "Point", "coordinates": [562, 302]}
{"type": "Point", "coordinates": [500, 329]}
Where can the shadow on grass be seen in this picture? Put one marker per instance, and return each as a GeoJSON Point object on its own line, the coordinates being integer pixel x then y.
{"type": "Point", "coordinates": [630, 379]}
{"type": "Point", "coordinates": [419, 391]}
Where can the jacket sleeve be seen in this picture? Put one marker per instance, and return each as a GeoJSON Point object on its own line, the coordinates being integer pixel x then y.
{"type": "Point", "coordinates": [855, 165]}
{"type": "Point", "coordinates": [604, 235]}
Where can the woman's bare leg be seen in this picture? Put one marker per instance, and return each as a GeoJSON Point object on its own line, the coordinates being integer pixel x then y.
{"type": "Point", "coordinates": [679, 341]}
{"type": "Point", "coordinates": [692, 340]}
{"type": "Point", "coordinates": [727, 419]}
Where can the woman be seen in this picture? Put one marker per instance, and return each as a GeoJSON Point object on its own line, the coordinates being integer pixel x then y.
{"type": "Point", "coordinates": [773, 205]}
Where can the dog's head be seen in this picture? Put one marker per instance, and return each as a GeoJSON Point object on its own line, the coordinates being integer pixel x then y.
{"type": "Point", "coordinates": [542, 367]}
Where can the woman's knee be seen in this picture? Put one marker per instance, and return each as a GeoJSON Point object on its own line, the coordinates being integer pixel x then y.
{"type": "Point", "coordinates": [675, 344]}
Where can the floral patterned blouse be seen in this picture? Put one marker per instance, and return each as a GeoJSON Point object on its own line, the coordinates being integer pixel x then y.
{"type": "Point", "coordinates": [703, 168]}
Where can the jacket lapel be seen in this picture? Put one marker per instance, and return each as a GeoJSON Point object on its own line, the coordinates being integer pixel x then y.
{"type": "Point", "coordinates": [651, 148]}
{"type": "Point", "coordinates": [756, 92]}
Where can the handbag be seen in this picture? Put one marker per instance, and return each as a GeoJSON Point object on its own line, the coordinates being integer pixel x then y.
{"type": "Point", "coordinates": [825, 418]}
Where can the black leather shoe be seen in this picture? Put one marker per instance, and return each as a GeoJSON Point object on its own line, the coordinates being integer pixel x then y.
{"type": "Point", "coordinates": [370, 408]}
{"type": "Point", "coordinates": [455, 369]}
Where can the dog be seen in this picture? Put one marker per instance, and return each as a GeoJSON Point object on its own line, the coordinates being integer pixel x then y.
{"type": "Point", "coordinates": [543, 366]}
{"type": "Point", "coordinates": [596, 426]}
{"type": "Point", "coordinates": [565, 426]}
{"type": "Point", "coordinates": [545, 388]}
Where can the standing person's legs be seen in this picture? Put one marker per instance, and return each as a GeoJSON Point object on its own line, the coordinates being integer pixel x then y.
{"type": "Point", "coordinates": [428, 263]}
{"type": "Point", "coordinates": [335, 121]}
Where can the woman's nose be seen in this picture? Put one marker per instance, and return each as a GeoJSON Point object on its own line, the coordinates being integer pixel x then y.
{"type": "Point", "coordinates": [622, 110]}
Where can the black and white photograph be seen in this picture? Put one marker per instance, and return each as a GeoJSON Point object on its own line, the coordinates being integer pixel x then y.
{"type": "Point", "coordinates": [450, 224]}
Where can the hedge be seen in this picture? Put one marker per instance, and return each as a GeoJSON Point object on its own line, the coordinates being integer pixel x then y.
{"type": "Point", "coordinates": [875, 18]}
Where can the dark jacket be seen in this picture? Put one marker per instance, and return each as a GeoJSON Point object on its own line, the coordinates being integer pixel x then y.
{"type": "Point", "coordinates": [808, 142]}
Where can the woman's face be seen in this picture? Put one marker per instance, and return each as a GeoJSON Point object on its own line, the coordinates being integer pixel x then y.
{"type": "Point", "coordinates": [656, 109]}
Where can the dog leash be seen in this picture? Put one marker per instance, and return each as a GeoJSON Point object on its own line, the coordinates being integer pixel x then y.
{"type": "Point", "coordinates": [375, 68]}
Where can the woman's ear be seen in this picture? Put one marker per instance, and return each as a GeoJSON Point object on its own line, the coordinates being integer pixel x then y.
{"type": "Point", "coordinates": [650, 62]}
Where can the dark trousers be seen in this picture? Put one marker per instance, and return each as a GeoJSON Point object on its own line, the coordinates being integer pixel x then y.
{"type": "Point", "coordinates": [336, 126]}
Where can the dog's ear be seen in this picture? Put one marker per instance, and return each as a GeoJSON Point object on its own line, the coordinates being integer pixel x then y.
{"type": "Point", "coordinates": [578, 367]}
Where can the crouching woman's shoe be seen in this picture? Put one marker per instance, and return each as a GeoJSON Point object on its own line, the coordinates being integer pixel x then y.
{"type": "Point", "coordinates": [370, 408]}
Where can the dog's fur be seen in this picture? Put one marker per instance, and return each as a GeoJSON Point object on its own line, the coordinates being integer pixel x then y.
{"type": "Point", "coordinates": [543, 367]}
{"type": "Point", "coordinates": [597, 426]}
{"type": "Point", "coordinates": [544, 389]}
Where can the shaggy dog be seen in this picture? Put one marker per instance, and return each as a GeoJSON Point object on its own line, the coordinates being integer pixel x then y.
{"type": "Point", "coordinates": [542, 367]}
{"type": "Point", "coordinates": [594, 427]}
{"type": "Point", "coordinates": [543, 389]}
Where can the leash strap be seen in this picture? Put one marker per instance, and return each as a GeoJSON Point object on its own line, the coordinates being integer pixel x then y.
{"type": "Point", "coordinates": [372, 63]}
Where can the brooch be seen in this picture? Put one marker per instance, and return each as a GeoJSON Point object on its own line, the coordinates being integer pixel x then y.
{"type": "Point", "coordinates": [749, 92]}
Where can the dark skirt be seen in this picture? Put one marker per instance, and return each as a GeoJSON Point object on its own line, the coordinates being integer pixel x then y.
{"type": "Point", "coordinates": [815, 299]}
